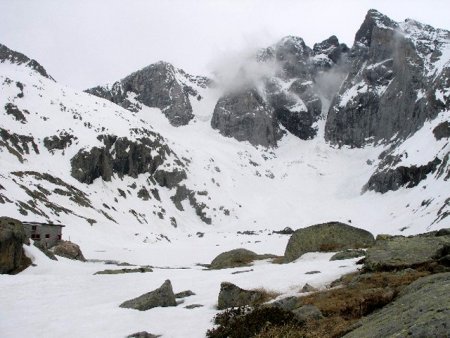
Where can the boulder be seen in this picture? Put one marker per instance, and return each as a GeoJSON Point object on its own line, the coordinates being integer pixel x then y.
{"type": "Point", "coordinates": [69, 250]}
{"type": "Point", "coordinates": [326, 237]}
{"type": "Point", "coordinates": [231, 295]}
{"type": "Point", "coordinates": [161, 297]}
{"type": "Point", "coordinates": [429, 317]}
{"type": "Point", "coordinates": [307, 312]}
{"type": "Point", "coordinates": [12, 238]}
{"type": "Point", "coordinates": [233, 258]}
{"type": "Point", "coordinates": [287, 304]}
{"type": "Point", "coordinates": [347, 254]}
{"type": "Point", "coordinates": [308, 288]}
{"type": "Point", "coordinates": [400, 252]}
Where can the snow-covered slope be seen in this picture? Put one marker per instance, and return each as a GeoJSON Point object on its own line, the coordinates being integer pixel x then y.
{"type": "Point", "coordinates": [228, 184]}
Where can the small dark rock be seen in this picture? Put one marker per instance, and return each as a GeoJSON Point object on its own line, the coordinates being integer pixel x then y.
{"type": "Point", "coordinates": [308, 288]}
{"type": "Point", "coordinates": [122, 271]}
{"type": "Point", "coordinates": [184, 294]}
{"type": "Point", "coordinates": [347, 254]}
{"type": "Point", "coordinates": [285, 231]}
{"type": "Point", "coordinates": [143, 334]}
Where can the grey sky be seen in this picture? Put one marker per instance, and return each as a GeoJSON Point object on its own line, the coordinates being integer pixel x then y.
{"type": "Point", "coordinates": [83, 43]}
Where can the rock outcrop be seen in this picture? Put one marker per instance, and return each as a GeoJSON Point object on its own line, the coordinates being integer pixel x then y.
{"type": "Point", "coordinates": [12, 238]}
{"type": "Point", "coordinates": [401, 176]}
{"type": "Point", "coordinates": [442, 130]}
{"type": "Point", "coordinates": [390, 90]}
{"type": "Point", "coordinates": [69, 250]}
{"type": "Point", "coordinates": [288, 96]}
{"type": "Point", "coordinates": [161, 297]}
{"type": "Point", "coordinates": [399, 252]}
{"type": "Point", "coordinates": [332, 236]}
{"type": "Point", "coordinates": [245, 116]}
{"type": "Point", "coordinates": [120, 156]}
{"type": "Point", "coordinates": [231, 295]}
{"type": "Point", "coordinates": [421, 310]}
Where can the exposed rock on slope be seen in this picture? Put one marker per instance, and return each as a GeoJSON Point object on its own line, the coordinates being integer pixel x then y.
{"type": "Point", "coordinates": [246, 117]}
{"type": "Point", "coordinates": [391, 88]}
{"type": "Point", "coordinates": [424, 307]}
{"type": "Point", "coordinates": [12, 238]}
{"type": "Point", "coordinates": [394, 179]}
{"type": "Point", "coordinates": [408, 252]}
{"type": "Point", "coordinates": [287, 96]}
{"type": "Point", "coordinates": [120, 156]}
{"type": "Point", "coordinates": [332, 236]}
{"type": "Point", "coordinates": [159, 85]}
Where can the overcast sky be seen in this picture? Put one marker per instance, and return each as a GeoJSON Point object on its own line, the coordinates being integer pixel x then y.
{"type": "Point", "coordinates": [83, 43]}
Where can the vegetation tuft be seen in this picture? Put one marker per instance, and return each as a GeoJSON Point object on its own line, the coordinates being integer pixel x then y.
{"type": "Point", "coordinates": [244, 322]}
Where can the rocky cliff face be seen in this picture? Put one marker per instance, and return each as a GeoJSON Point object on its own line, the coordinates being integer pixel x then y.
{"type": "Point", "coordinates": [395, 72]}
{"type": "Point", "coordinates": [159, 85]}
{"type": "Point", "coordinates": [246, 117]}
{"type": "Point", "coordinates": [289, 96]}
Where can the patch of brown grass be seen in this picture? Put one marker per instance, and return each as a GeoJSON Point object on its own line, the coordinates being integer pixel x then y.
{"type": "Point", "coordinates": [355, 295]}
{"type": "Point", "coordinates": [266, 294]}
{"type": "Point", "coordinates": [359, 295]}
{"type": "Point", "coordinates": [327, 327]}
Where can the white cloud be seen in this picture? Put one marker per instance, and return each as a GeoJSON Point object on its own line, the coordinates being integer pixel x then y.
{"type": "Point", "coordinates": [83, 43]}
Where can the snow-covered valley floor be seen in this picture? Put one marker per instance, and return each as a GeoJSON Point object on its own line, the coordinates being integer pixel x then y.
{"type": "Point", "coordinates": [65, 299]}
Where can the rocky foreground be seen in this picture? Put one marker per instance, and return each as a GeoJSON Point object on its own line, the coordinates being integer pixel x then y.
{"type": "Point", "coordinates": [401, 290]}
{"type": "Point", "coordinates": [401, 278]}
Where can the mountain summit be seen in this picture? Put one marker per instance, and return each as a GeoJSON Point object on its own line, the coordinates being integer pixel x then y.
{"type": "Point", "coordinates": [305, 134]}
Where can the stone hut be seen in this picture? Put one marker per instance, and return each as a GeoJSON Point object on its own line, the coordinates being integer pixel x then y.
{"type": "Point", "coordinates": [47, 234]}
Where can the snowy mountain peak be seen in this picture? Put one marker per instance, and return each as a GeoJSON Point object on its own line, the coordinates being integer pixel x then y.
{"type": "Point", "coordinates": [11, 56]}
{"type": "Point", "coordinates": [373, 20]}
{"type": "Point", "coordinates": [159, 85]}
